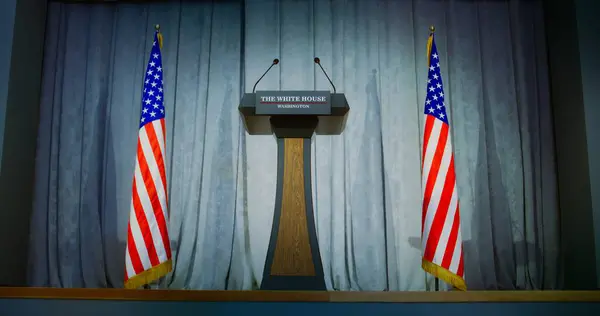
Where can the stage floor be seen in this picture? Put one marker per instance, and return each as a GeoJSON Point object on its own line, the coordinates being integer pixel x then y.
{"type": "Point", "coordinates": [293, 296]}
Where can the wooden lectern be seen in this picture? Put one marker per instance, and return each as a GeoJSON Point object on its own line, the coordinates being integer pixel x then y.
{"type": "Point", "coordinates": [293, 259]}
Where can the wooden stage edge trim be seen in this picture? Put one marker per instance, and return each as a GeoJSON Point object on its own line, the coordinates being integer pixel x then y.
{"type": "Point", "coordinates": [293, 296]}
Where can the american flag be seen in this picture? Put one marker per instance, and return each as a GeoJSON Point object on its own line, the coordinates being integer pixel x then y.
{"type": "Point", "coordinates": [440, 236]}
{"type": "Point", "coordinates": [148, 254]}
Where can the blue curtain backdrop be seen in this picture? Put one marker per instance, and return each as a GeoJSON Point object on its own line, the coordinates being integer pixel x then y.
{"type": "Point", "coordinates": [367, 183]}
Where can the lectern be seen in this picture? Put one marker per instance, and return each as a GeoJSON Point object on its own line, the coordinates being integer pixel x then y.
{"type": "Point", "coordinates": [293, 259]}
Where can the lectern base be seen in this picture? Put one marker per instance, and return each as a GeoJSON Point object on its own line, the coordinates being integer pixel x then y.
{"type": "Point", "coordinates": [293, 259]}
{"type": "Point", "coordinates": [293, 283]}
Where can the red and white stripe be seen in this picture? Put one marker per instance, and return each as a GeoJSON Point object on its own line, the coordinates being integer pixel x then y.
{"type": "Point", "coordinates": [441, 237]}
{"type": "Point", "coordinates": [147, 235]}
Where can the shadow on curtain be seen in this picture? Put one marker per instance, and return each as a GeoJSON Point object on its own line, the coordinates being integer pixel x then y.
{"type": "Point", "coordinates": [222, 182]}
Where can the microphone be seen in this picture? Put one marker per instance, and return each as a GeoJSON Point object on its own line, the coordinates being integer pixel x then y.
{"type": "Point", "coordinates": [318, 62]}
{"type": "Point", "coordinates": [275, 62]}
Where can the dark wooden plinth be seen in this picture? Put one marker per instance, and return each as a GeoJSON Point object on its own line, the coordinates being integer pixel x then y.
{"type": "Point", "coordinates": [293, 259]}
{"type": "Point", "coordinates": [7, 293]}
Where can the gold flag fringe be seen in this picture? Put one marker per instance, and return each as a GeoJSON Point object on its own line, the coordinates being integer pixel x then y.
{"type": "Point", "coordinates": [444, 275]}
{"type": "Point", "coordinates": [160, 40]}
{"type": "Point", "coordinates": [149, 275]}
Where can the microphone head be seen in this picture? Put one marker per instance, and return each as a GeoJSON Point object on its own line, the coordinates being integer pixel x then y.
{"type": "Point", "coordinates": [317, 60]}
{"type": "Point", "coordinates": [275, 61]}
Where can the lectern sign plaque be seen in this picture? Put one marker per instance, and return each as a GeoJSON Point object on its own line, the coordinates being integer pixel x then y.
{"type": "Point", "coordinates": [293, 103]}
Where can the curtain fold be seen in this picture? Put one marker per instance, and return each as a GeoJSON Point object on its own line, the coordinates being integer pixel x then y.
{"type": "Point", "coordinates": [366, 182]}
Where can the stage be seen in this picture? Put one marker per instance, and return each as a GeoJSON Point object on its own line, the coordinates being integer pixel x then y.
{"type": "Point", "coordinates": [524, 73]}
{"type": "Point", "coordinates": [49, 301]}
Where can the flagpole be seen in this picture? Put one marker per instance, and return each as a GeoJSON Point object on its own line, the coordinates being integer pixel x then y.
{"type": "Point", "coordinates": [147, 286]}
{"type": "Point", "coordinates": [431, 31]}
{"type": "Point", "coordinates": [157, 28]}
